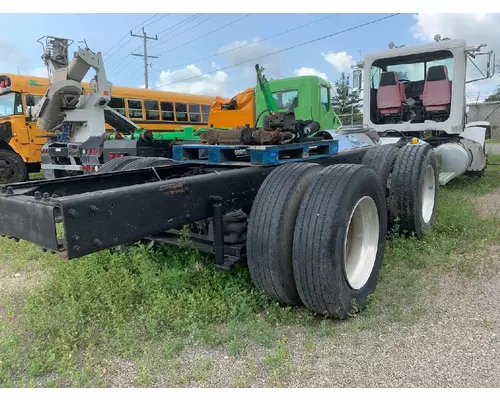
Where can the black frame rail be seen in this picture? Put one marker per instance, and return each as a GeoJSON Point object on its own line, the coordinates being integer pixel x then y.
{"type": "Point", "coordinates": [101, 211]}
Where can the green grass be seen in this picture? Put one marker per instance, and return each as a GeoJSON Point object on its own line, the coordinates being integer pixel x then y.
{"type": "Point", "coordinates": [36, 175]}
{"type": "Point", "coordinates": [151, 305]}
{"type": "Point", "coordinates": [492, 140]}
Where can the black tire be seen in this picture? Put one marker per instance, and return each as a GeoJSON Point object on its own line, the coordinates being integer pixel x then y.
{"type": "Point", "coordinates": [320, 237]}
{"type": "Point", "coordinates": [12, 168]}
{"type": "Point", "coordinates": [407, 190]}
{"type": "Point", "coordinates": [382, 159]}
{"type": "Point", "coordinates": [146, 162]}
{"type": "Point", "coordinates": [116, 164]}
{"type": "Point", "coordinates": [271, 227]}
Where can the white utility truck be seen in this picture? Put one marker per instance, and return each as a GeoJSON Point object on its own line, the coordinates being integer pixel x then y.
{"type": "Point", "coordinates": [420, 91]}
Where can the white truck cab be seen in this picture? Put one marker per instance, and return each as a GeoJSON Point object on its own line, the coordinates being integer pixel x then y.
{"type": "Point", "coordinates": [420, 91]}
{"type": "Point", "coordinates": [418, 88]}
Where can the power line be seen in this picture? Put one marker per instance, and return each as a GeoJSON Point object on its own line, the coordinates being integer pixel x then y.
{"type": "Point", "coordinates": [283, 50]}
{"type": "Point", "coordinates": [172, 29]}
{"type": "Point", "coordinates": [126, 35]}
{"type": "Point", "coordinates": [145, 54]}
{"type": "Point", "coordinates": [126, 65]}
{"type": "Point", "coordinates": [121, 47]}
{"type": "Point", "coordinates": [187, 30]}
{"type": "Point", "coordinates": [193, 40]}
{"type": "Point", "coordinates": [253, 43]}
{"type": "Point", "coordinates": [128, 41]}
{"type": "Point", "coordinates": [182, 23]}
{"type": "Point", "coordinates": [159, 19]}
{"type": "Point", "coordinates": [205, 35]}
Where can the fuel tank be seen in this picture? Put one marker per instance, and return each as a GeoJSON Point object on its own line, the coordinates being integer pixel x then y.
{"type": "Point", "coordinates": [455, 160]}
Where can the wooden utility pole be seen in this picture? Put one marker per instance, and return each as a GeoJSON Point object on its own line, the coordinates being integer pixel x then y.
{"type": "Point", "coordinates": [145, 55]}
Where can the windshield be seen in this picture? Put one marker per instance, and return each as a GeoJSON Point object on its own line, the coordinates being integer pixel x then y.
{"type": "Point", "coordinates": [10, 104]}
{"type": "Point", "coordinates": [413, 72]}
{"type": "Point", "coordinates": [410, 72]}
{"type": "Point", "coordinates": [285, 98]}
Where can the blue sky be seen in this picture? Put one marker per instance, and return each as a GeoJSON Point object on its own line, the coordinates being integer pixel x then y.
{"type": "Point", "coordinates": [19, 33]}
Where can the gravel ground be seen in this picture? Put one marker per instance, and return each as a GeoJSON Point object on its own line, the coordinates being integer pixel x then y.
{"type": "Point", "coordinates": [456, 344]}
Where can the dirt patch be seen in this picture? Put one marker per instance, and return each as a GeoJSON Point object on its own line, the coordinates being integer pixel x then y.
{"type": "Point", "coordinates": [120, 373]}
{"type": "Point", "coordinates": [488, 205]}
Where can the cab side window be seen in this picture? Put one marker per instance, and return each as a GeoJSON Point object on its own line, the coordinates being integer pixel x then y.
{"type": "Point", "coordinates": [325, 97]}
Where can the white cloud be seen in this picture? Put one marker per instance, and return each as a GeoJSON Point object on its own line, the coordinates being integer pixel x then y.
{"type": "Point", "coordinates": [475, 29]}
{"type": "Point", "coordinates": [218, 82]}
{"type": "Point", "coordinates": [191, 80]}
{"type": "Point", "coordinates": [340, 61]}
{"type": "Point", "coordinates": [246, 54]}
{"type": "Point", "coordinates": [302, 71]}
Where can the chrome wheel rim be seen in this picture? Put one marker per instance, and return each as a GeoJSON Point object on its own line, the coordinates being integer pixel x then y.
{"type": "Point", "coordinates": [361, 242]}
{"type": "Point", "coordinates": [428, 194]}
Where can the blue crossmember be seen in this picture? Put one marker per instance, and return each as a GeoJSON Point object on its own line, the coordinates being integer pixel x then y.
{"type": "Point", "coordinates": [254, 155]}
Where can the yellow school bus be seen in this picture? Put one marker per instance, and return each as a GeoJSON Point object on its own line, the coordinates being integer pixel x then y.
{"type": "Point", "coordinates": [21, 140]}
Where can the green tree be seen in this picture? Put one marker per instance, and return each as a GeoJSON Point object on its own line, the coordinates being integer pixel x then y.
{"type": "Point", "coordinates": [495, 96]}
{"type": "Point", "coordinates": [344, 99]}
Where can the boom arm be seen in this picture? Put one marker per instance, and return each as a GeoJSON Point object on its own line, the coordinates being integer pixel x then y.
{"type": "Point", "coordinates": [65, 101]}
{"type": "Point", "coordinates": [264, 86]}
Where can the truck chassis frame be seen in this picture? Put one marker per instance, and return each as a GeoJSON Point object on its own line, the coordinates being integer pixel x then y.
{"type": "Point", "coordinates": [101, 211]}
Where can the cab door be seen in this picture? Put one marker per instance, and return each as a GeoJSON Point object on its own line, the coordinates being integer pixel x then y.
{"type": "Point", "coordinates": [325, 108]}
{"type": "Point", "coordinates": [37, 137]}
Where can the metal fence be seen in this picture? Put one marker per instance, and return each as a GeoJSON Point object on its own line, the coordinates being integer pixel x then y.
{"type": "Point", "coordinates": [487, 112]}
{"type": "Point", "coordinates": [492, 148]}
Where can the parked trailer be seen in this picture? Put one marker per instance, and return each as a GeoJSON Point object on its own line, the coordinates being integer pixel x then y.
{"type": "Point", "coordinates": [311, 224]}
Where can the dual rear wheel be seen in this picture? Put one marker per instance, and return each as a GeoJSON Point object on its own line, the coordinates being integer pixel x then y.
{"type": "Point", "coordinates": [316, 236]}
{"type": "Point", "coordinates": [319, 241]}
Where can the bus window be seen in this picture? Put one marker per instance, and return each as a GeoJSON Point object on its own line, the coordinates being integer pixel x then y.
{"type": "Point", "coordinates": [181, 111]}
{"type": "Point", "coordinates": [118, 105]}
{"type": "Point", "coordinates": [135, 109]}
{"type": "Point", "coordinates": [325, 97]}
{"type": "Point", "coordinates": [205, 110]}
{"type": "Point", "coordinates": [194, 113]}
{"type": "Point", "coordinates": [152, 112]}
{"type": "Point", "coordinates": [167, 111]}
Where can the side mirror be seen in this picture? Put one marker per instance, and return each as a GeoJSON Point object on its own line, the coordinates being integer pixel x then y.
{"type": "Point", "coordinates": [30, 115]}
{"type": "Point", "coordinates": [356, 79]}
